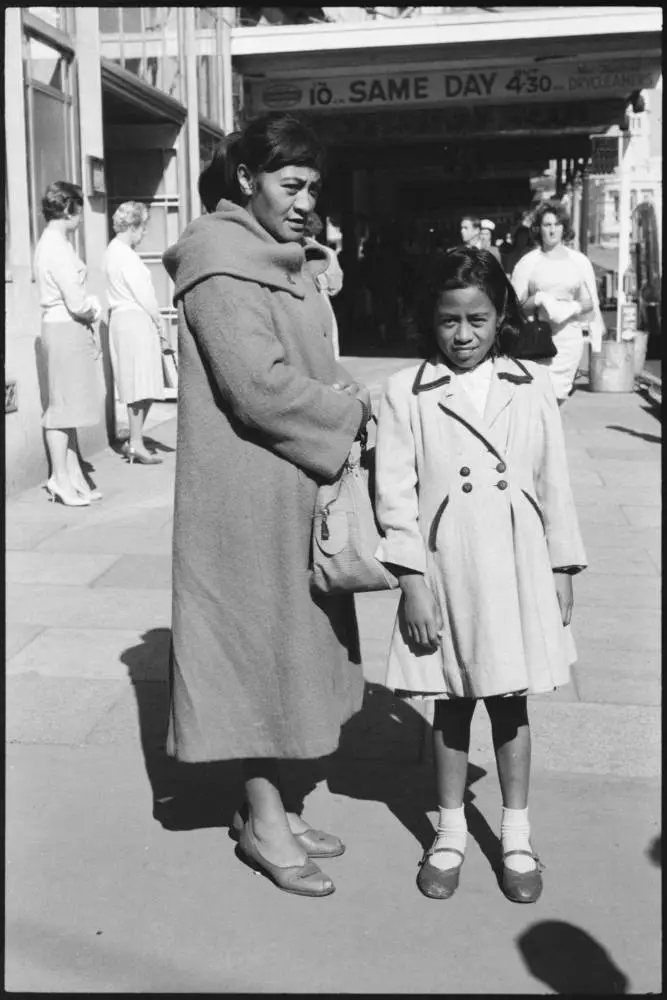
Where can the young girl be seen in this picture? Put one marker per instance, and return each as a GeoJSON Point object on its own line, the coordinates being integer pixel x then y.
{"type": "Point", "coordinates": [474, 499]}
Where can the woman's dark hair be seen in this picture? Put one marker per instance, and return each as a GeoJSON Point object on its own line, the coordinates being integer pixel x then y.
{"type": "Point", "coordinates": [551, 208]}
{"type": "Point", "coordinates": [469, 267]}
{"type": "Point", "coordinates": [61, 199]}
{"type": "Point", "coordinates": [265, 144]}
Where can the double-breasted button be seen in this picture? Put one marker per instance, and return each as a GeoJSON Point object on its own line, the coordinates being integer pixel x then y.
{"type": "Point", "coordinates": [501, 467]}
{"type": "Point", "coordinates": [467, 487]}
{"type": "Point", "coordinates": [502, 484]}
{"type": "Point", "coordinates": [465, 471]}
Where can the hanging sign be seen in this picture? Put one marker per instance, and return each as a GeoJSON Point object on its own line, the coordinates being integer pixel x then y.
{"type": "Point", "coordinates": [455, 85]}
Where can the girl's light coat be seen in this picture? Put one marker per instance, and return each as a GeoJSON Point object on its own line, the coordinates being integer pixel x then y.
{"type": "Point", "coordinates": [483, 507]}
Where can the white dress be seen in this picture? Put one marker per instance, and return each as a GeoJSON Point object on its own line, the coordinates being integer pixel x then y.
{"type": "Point", "coordinates": [565, 279]}
{"type": "Point", "coordinates": [134, 325]}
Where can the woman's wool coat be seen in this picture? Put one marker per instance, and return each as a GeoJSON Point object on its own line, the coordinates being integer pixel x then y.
{"type": "Point", "coordinates": [483, 507]}
{"type": "Point", "coordinates": [260, 667]}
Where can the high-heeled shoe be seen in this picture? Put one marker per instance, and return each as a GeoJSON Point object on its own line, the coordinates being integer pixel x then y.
{"type": "Point", "coordinates": [84, 490]}
{"type": "Point", "coordinates": [73, 499]}
{"type": "Point", "coordinates": [134, 456]}
{"type": "Point", "coordinates": [290, 878]}
{"type": "Point", "coordinates": [316, 843]}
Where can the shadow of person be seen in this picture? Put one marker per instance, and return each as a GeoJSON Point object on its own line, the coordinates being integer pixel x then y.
{"type": "Point", "coordinates": [185, 796]}
{"type": "Point", "coordinates": [654, 851]}
{"type": "Point", "coordinates": [154, 445]}
{"type": "Point", "coordinates": [382, 758]}
{"type": "Point", "coordinates": [570, 961]}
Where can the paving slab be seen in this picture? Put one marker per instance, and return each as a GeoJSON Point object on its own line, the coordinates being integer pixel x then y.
{"type": "Point", "coordinates": [112, 539]}
{"type": "Point", "coordinates": [56, 710]}
{"type": "Point", "coordinates": [594, 656]}
{"type": "Point", "coordinates": [103, 607]}
{"type": "Point", "coordinates": [600, 513]}
{"type": "Point", "coordinates": [593, 588]}
{"type": "Point", "coordinates": [609, 559]}
{"type": "Point", "coordinates": [102, 898]}
{"type": "Point", "coordinates": [606, 628]}
{"type": "Point", "coordinates": [138, 572]}
{"type": "Point", "coordinates": [609, 686]}
{"type": "Point", "coordinates": [18, 636]}
{"type": "Point", "coordinates": [70, 570]}
{"type": "Point", "coordinates": [642, 516]}
{"type": "Point", "coordinates": [90, 654]}
{"type": "Point", "coordinates": [21, 535]}
{"type": "Point", "coordinates": [622, 536]}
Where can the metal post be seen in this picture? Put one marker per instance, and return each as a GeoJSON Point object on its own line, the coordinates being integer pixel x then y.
{"type": "Point", "coordinates": [224, 39]}
{"type": "Point", "coordinates": [585, 203]}
{"type": "Point", "coordinates": [624, 225]}
{"type": "Point", "coordinates": [192, 105]}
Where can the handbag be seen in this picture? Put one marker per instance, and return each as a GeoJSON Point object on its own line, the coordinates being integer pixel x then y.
{"type": "Point", "coordinates": [345, 533]}
{"type": "Point", "coordinates": [535, 340]}
{"type": "Point", "coordinates": [170, 370]}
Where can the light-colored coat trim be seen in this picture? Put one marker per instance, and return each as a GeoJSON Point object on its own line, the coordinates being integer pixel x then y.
{"type": "Point", "coordinates": [487, 554]}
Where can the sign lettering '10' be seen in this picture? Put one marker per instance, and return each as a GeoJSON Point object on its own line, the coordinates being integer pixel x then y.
{"type": "Point", "coordinates": [456, 85]}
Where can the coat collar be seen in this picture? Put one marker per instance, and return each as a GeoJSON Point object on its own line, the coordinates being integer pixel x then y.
{"type": "Point", "coordinates": [508, 375]}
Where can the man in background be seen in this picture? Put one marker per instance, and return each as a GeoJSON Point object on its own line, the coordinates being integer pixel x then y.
{"type": "Point", "coordinates": [486, 229]}
{"type": "Point", "coordinates": [470, 230]}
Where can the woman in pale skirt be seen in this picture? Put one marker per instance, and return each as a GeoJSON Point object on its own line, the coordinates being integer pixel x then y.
{"type": "Point", "coordinates": [558, 283]}
{"type": "Point", "coordinates": [70, 348]}
{"type": "Point", "coordinates": [136, 336]}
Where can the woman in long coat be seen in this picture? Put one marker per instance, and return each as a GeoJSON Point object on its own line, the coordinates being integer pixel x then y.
{"type": "Point", "coordinates": [262, 670]}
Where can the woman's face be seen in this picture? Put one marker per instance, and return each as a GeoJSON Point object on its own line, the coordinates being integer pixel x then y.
{"type": "Point", "coordinates": [465, 326]}
{"type": "Point", "coordinates": [73, 220]}
{"type": "Point", "coordinates": [551, 231]}
{"type": "Point", "coordinates": [282, 200]}
{"type": "Point", "coordinates": [137, 233]}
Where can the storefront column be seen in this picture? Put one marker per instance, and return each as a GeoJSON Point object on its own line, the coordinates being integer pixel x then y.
{"type": "Point", "coordinates": [189, 40]}
{"type": "Point", "coordinates": [225, 22]}
{"type": "Point", "coordinates": [88, 54]}
{"type": "Point", "coordinates": [624, 224]}
{"type": "Point", "coordinates": [19, 255]}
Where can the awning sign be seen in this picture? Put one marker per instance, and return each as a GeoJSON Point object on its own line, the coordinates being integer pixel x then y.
{"type": "Point", "coordinates": [456, 85]}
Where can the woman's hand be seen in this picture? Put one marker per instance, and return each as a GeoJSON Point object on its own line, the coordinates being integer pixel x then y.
{"type": "Point", "coordinates": [360, 392]}
{"type": "Point", "coordinates": [422, 615]}
{"type": "Point", "coordinates": [565, 595]}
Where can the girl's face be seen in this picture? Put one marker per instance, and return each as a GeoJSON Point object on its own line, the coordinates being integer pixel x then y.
{"type": "Point", "coordinates": [551, 231]}
{"type": "Point", "coordinates": [465, 326]}
{"type": "Point", "coordinates": [282, 200]}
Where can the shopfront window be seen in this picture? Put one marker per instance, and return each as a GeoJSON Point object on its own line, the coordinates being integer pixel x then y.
{"type": "Point", "coordinates": [61, 18]}
{"type": "Point", "coordinates": [52, 136]}
{"type": "Point", "coordinates": [144, 41]}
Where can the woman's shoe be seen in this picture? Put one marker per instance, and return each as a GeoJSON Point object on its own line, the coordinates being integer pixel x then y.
{"type": "Point", "coordinates": [439, 883]}
{"type": "Point", "coordinates": [85, 491]}
{"type": "Point", "coordinates": [293, 878]}
{"type": "Point", "coordinates": [522, 887]}
{"type": "Point", "coordinates": [135, 456]}
{"type": "Point", "coordinates": [70, 498]}
{"type": "Point", "coordinates": [316, 843]}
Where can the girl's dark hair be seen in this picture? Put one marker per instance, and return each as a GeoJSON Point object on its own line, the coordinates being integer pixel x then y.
{"type": "Point", "coordinates": [466, 267]}
{"type": "Point", "coordinates": [551, 208]}
{"type": "Point", "coordinates": [61, 199]}
{"type": "Point", "coordinates": [265, 144]}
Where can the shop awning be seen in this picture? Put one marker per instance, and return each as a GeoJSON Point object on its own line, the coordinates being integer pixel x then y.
{"type": "Point", "coordinates": [602, 258]}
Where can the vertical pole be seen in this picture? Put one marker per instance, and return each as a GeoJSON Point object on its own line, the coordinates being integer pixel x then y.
{"type": "Point", "coordinates": [226, 20]}
{"type": "Point", "coordinates": [624, 224]}
{"type": "Point", "coordinates": [192, 105]}
{"type": "Point", "coordinates": [585, 208]}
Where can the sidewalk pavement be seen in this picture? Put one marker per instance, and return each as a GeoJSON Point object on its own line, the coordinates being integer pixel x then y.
{"type": "Point", "coordinates": [103, 897]}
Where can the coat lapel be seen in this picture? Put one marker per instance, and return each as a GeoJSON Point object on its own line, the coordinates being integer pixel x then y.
{"type": "Point", "coordinates": [507, 376]}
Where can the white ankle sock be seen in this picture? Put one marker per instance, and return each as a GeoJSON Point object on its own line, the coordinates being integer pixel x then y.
{"type": "Point", "coordinates": [452, 832]}
{"type": "Point", "coordinates": [515, 836]}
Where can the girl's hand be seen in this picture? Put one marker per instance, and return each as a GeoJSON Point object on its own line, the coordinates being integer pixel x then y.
{"type": "Point", "coordinates": [565, 595]}
{"type": "Point", "coordinates": [422, 615]}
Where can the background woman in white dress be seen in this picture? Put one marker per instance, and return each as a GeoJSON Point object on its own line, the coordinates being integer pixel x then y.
{"type": "Point", "coordinates": [558, 284]}
{"type": "Point", "coordinates": [136, 335]}
{"type": "Point", "coordinates": [70, 348]}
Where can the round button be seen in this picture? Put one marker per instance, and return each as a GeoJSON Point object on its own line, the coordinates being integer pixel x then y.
{"type": "Point", "coordinates": [465, 471]}
{"type": "Point", "coordinates": [501, 467]}
{"type": "Point", "coordinates": [501, 484]}
{"type": "Point", "coordinates": [467, 487]}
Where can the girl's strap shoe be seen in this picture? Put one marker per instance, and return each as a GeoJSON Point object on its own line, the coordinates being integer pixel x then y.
{"type": "Point", "coordinates": [522, 887]}
{"type": "Point", "coordinates": [439, 883]}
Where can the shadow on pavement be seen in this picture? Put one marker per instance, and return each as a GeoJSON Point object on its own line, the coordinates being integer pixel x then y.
{"type": "Point", "coordinates": [654, 851]}
{"type": "Point", "coordinates": [653, 438]}
{"type": "Point", "coordinates": [569, 960]}
{"type": "Point", "coordinates": [379, 759]}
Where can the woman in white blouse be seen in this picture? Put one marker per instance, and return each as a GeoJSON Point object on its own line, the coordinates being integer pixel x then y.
{"type": "Point", "coordinates": [136, 335]}
{"type": "Point", "coordinates": [70, 348]}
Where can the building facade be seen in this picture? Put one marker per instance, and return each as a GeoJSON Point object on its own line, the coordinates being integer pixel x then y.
{"type": "Point", "coordinates": [128, 102]}
{"type": "Point", "coordinates": [427, 112]}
